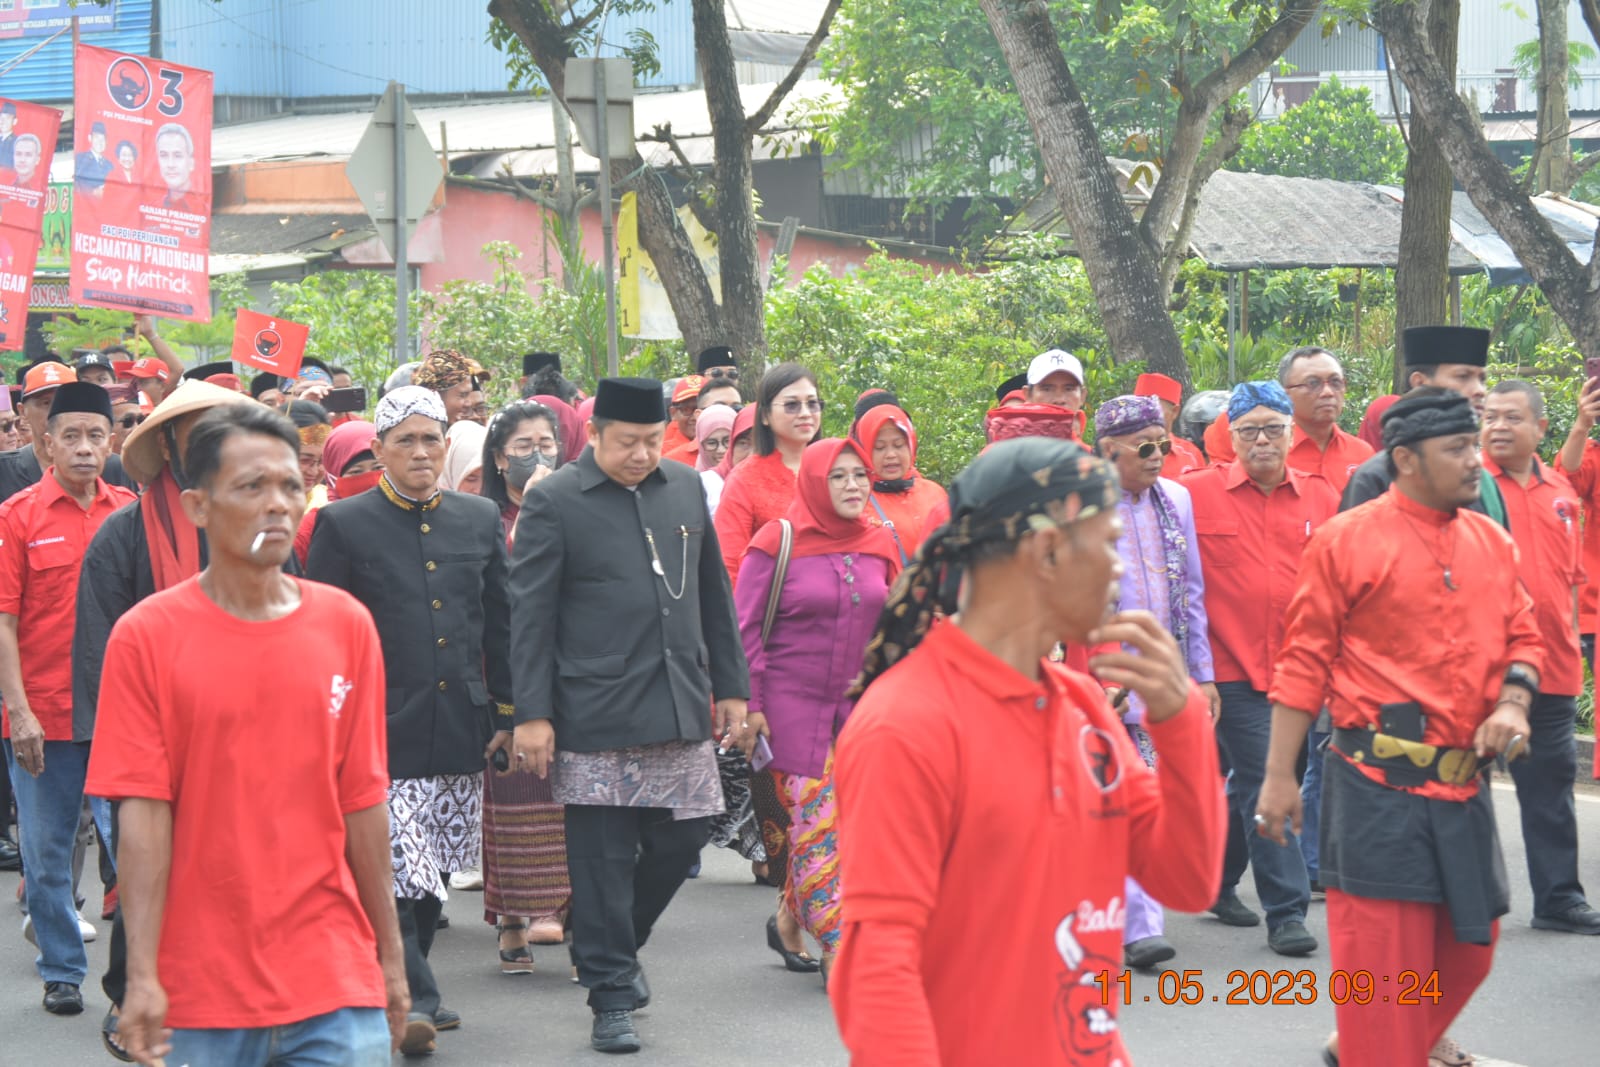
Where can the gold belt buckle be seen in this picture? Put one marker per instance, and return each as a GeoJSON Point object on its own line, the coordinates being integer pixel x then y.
{"type": "Point", "coordinates": [1457, 766]}
{"type": "Point", "coordinates": [1387, 746]}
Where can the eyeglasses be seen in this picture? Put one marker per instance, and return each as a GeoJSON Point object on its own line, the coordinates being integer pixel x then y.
{"type": "Point", "coordinates": [839, 479]}
{"type": "Point", "coordinates": [1273, 431]}
{"type": "Point", "coordinates": [794, 407]}
{"type": "Point", "coordinates": [127, 422]}
{"type": "Point", "coordinates": [1316, 385]}
{"type": "Point", "coordinates": [1150, 448]}
{"type": "Point", "coordinates": [730, 373]}
{"type": "Point", "coordinates": [528, 448]}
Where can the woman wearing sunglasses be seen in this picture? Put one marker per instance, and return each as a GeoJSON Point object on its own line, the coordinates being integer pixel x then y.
{"type": "Point", "coordinates": [1161, 575]}
{"type": "Point", "coordinates": [125, 414]}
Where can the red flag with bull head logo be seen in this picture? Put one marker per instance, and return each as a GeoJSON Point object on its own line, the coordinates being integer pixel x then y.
{"type": "Point", "coordinates": [275, 345]}
{"type": "Point", "coordinates": [141, 218]}
{"type": "Point", "coordinates": [27, 141]}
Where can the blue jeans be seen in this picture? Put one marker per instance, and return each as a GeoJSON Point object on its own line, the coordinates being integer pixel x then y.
{"type": "Point", "coordinates": [349, 1037]}
{"type": "Point", "coordinates": [1311, 798]}
{"type": "Point", "coordinates": [1244, 729]}
{"type": "Point", "coordinates": [1544, 792]}
{"type": "Point", "coordinates": [47, 820]}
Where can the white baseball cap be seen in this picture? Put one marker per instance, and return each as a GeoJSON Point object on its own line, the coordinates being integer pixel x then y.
{"type": "Point", "coordinates": [1048, 363]}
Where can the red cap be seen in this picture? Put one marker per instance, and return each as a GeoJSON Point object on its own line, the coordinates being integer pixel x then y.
{"type": "Point", "coordinates": [688, 388]}
{"type": "Point", "coordinates": [1159, 385]}
{"type": "Point", "coordinates": [46, 376]}
{"type": "Point", "coordinates": [149, 367]}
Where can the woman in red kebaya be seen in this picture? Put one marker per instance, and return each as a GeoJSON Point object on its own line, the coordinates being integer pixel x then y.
{"type": "Point", "coordinates": [788, 416]}
{"type": "Point", "coordinates": [902, 499]}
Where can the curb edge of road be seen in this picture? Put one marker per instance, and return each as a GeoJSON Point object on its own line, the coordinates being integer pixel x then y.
{"type": "Point", "coordinates": [1585, 757]}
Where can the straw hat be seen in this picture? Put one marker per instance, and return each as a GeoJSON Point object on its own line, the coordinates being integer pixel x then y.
{"type": "Point", "coordinates": [141, 452]}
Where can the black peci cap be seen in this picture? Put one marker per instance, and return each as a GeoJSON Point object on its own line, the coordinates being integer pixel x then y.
{"type": "Point", "coordinates": [637, 400]}
{"type": "Point", "coordinates": [86, 397]}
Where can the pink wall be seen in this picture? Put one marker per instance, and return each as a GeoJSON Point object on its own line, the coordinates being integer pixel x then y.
{"type": "Point", "coordinates": [471, 218]}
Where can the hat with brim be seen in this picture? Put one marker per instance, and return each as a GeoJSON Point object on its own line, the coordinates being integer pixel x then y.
{"type": "Point", "coordinates": [80, 398]}
{"type": "Point", "coordinates": [636, 400]}
{"type": "Point", "coordinates": [1432, 345]}
{"type": "Point", "coordinates": [1010, 385]}
{"type": "Point", "coordinates": [141, 451]}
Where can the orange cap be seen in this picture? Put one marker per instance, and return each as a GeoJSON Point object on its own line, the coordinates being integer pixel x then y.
{"type": "Point", "coordinates": [46, 376]}
{"type": "Point", "coordinates": [688, 388]}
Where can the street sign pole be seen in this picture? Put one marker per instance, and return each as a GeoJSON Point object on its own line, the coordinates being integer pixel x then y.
{"type": "Point", "coordinates": [606, 223]}
{"type": "Point", "coordinates": [402, 273]}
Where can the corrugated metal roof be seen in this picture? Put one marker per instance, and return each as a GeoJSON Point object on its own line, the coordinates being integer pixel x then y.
{"type": "Point", "coordinates": [775, 16]}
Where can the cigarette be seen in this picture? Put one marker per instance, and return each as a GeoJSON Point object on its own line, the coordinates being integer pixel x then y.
{"type": "Point", "coordinates": [255, 546]}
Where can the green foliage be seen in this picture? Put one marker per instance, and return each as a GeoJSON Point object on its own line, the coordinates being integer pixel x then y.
{"type": "Point", "coordinates": [582, 29]}
{"type": "Point", "coordinates": [1334, 134]}
{"type": "Point", "coordinates": [196, 342]}
{"type": "Point", "coordinates": [351, 318]}
{"type": "Point", "coordinates": [1525, 61]}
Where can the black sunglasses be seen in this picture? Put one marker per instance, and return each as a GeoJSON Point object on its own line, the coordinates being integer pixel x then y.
{"type": "Point", "coordinates": [128, 422]}
{"type": "Point", "coordinates": [730, 373]}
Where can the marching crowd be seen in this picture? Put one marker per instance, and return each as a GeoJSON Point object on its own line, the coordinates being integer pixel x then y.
{"type": "Point", "coordinates": [557, 650]}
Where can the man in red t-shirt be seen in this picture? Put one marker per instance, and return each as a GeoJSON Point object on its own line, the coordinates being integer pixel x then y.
{"type": "Point", "coordinates": [44, 531]}
{"type": "Point", "coordinates": [973, 763]}
{"type": "Point", "coordinates": [303, 949]}
{"type": "Point", "coordinates": [1543, 512]}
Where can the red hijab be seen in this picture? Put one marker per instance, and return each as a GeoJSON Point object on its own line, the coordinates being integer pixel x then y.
{"type": "Point", "coordinates": [743, 423]}
{"type": "Point", "coordinates": [871, 425]}
{"type": "Point", "coordinates": [818, 529]}
{"type": "Point", "coordinates": [573, 438]}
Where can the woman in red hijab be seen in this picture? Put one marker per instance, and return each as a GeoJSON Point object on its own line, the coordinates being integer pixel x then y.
{"type": "Point", "coordinates": [902, 499]}
{"type": "Point", "coordinates": [833, 590]}
{"type": "Point", "coordinates": [348, 468]}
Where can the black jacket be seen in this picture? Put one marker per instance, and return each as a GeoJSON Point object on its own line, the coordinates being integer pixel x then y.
{"type": "Point", "coordinates": [602, 647]}
{"type": "Point", "coordinates": [1372, 479]}
{"type": "Point", "coordinates": [434, 578]}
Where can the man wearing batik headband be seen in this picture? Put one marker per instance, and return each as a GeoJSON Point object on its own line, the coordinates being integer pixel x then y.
{"type": "Point", "coordinates": [1254, 517]}
{"type": "Point", "coordinates": [431, 567]}
{"type": "Point", "coordinates": [972, 762]}
{"type": "Point", "coordinates": [455, 377]}
{"type": "Point", "coordinates": [1411, 621]}
{"type": "Point", "coordinates": [1158, 547]}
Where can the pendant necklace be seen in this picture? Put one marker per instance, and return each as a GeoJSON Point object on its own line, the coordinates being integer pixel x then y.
{"type": "Point", "coordinates": [1449, 579]}
{"type": "Point", "coordinates": [661, 572]}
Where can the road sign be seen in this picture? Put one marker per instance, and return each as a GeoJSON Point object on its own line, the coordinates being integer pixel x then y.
{"type": "Point", "coordinates": [374, 163]}
{"type": "Point", "coordinates": [583, 98]}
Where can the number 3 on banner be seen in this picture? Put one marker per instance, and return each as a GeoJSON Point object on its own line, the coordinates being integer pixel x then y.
{"type": "Point", "coordinates": [171, 102]}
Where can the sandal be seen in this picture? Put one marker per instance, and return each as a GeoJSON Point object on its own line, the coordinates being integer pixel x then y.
{"type": "Point", "coordinates": [1447, 1052]}
{"type": "Point", "coordinates": [517, 960]}
{"type": "Point", "coordinates": [108, 1037]}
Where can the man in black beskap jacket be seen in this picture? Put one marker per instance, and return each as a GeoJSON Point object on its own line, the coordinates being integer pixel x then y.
{"type": "Point", "coordinates": [431, 567]}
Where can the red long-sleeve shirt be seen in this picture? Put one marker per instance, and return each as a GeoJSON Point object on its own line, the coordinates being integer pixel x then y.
{"type": "Point", "coordinates": [958, 778]}
{"type": "Point", "coordinates": [1250, 549]}
{"type": "Point", "coordinates": [1373, 622]}
{"type": "Point", "coordinates": [758, 491]}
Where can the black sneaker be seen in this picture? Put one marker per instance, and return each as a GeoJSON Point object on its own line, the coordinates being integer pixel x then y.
{"type": "Point", "coordinates": [1291, 939]}
{"type": "Point", "coordinates": [1318, 891]}
{"type": "Point", "coordinates": [613, 1032]}
{"type": "Point", "coordinates": [1147, 952]}
{"type": "Point", "coordinates": [1232, 911]}
{"type": "Point", "coordinates": [63, 998]}
{"type": "Point", "coordinates": [10, 855]}
{"type": "Point", "coordinates": [641, 989]}
{"type": "Point", "coordinates": [1578, 919]}
{"type": "Point", "coordinates": [445, 1019]}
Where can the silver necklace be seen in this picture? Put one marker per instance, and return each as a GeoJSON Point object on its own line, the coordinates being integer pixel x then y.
{"type": "Point", "coordinates": [661, 572]}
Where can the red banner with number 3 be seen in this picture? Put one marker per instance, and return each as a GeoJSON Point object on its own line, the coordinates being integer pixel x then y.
{"type": "Point", "coordinates": [27, 141]}
{"type": "Point", "coordinates": [141, 214]}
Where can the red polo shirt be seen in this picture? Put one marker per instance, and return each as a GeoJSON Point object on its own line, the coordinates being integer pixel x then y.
{"type": "Point", "coordinates": [1586, 481]}
{"type": "Point", "coordinates": [43, 536]}
{"type": "Point", "coordinates": [1250, 549]}
{"type": "Point", "coordinates": [1337, 462]}
{"type": "Point", "coordinates": [1544, 524]}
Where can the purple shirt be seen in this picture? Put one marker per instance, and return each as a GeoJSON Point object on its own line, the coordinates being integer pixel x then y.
{"type": "Point", "coordinates": [826, 615]}
{"type": "Point", "coordinates": [1144, 577]}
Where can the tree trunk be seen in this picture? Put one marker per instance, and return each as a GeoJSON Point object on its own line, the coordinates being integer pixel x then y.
{"type": "Point", "coordinates": [1422, 274]}
{"type": "Point", "coordinates": [1552, 145]}
{"type": "Point", "coordinates": [1122, 268]}
{"type": "Point", "coordinates": [743, 299]}
{"type": "Point", "coordinates": [1572, 288]}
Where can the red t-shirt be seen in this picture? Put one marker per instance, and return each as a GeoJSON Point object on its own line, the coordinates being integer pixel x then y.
{"type": "Point", "coordinates": [262, 736]}
{"type": "Point", "coordinates": [44, 534]}
{"type": "Point", "coordinates": [986, 824]}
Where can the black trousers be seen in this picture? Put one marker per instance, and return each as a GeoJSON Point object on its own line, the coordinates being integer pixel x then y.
{"type": "Point", "coordinates": [419, 919]}
{"type": "Point", "coordinates": [625, 865]}
{"type": "Point", "coordinates": [1549, 819]}
{"type": "Point", "coordinates": [115, 983]}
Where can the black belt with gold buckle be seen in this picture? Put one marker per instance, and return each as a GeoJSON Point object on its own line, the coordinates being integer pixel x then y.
{"type": "Point", "coordinates": [1407, 762]}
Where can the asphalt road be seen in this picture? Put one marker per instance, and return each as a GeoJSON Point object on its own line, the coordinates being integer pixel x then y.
{"type": "Point", "coordinates": [721, 998]}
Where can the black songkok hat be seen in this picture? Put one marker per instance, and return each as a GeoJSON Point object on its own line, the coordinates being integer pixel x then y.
{"type": "Point", "coordinates": [1427, 345]}
{"type": "Point", "coordinates": [262, 382]}
{"type": "Point", "coordinates": [715, 356]}
{"type": "Point", "coordinates": [80, 396]}
{"type": "Point", "coordinates": [304, 413]}
{"type": "Point", "coordinates": [1418, 416]}
{"type": "Point", "coordinates": [534, 362]}
{"type": "Point", "coordinates": [206, 370]}
{"type": "Point", "coordinates": [630, 400]}
{"type": "Point", "coordinates": [1010, 385]}
{"type": "Point", "coordinates": [873, 398]}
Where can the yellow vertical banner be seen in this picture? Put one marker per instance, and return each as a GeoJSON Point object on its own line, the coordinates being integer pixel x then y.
{"type": "Point", "coordinates": [643, 310]}
{"type": "Point", "coordinates": [629, 257]}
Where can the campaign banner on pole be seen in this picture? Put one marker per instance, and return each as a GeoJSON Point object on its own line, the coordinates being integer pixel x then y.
{"type": "Point", "coordinates": [275, 345]}
{"type": "Point", "coordinates": [27, 141]}
{"type": "Point", "coordinates": [141, 211]}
